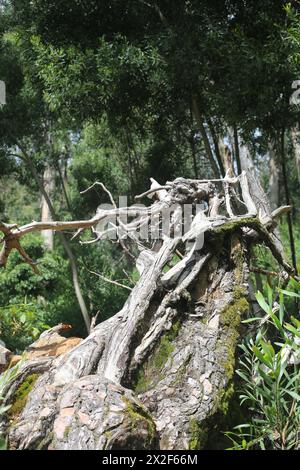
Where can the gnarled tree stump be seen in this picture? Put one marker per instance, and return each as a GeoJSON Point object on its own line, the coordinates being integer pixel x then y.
{"type": "Point", "coordinates": [157, 373]}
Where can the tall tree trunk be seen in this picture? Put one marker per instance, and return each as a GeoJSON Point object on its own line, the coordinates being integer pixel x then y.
{"type": "Point", "coordinates": [237, 149]}
{"type": "Point", "coordinates": [216, 141]}
{"type": "Point", "coordinates": [48, 184]}
{"type": "Point", "coordinates": [288, 200]}
{"type": "Point", "coordinates": [273, 175]}
{"type": "Point", "coordinates": [191, 140]}
{"type": "Point", "coordinates": [63, 182]}
{"type": "Point", "coordinates": [259, 196]}
{"type": "Point", "coordinates": [193, 151]}
{"type": "Point", "coordinates": [202, 130]}
{"type": "Point", "coordinates": [65, 243]}
{"type": "Point", "coordinates": [226, 157]}
{"type": "Point", "coordinates": [295, 136]}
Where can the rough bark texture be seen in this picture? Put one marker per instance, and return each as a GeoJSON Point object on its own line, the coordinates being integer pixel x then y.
{"type": "Point", "coordinates": [157, 373]}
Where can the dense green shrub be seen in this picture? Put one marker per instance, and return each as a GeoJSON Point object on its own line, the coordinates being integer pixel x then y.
{"type": "Point", "coordinates": [270, 380]}
{"type": "Point", "coordinates": [30, 303]}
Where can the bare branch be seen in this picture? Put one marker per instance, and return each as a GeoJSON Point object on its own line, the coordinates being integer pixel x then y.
{"type": "Point", "coordinates": [280, 211]}
{"type": "Point", "coordinates": [151, 191]}
{"type": "Point", "coordinates": [97, 183]}
{"type": "Point", "coordinates": [106, 279]}
{"type": "Point", "coordinates": [94, 321]}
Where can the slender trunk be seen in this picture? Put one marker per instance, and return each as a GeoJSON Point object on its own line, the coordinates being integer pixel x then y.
{"type": "Point", "coordinates": [48, 184]}
{"type": "Point", "coordinates": [64, 240]}
{"type": "Point", "coordinates": [237, 149]}
{"type": "Point", "coordinates": [193, 151]}
{"type": "Point", "coordinates": [226, 157]}
{"type": "Point", "coordinates": [288, 201]}
{"type": "Point", "coordinates": [191, 139]}
{"type": "Point", "coordinates": [63, 186]}
{"type": "Point", "coordinates": [295, 136]}
{"type": "Point", "coordinates": [131, 166]}
{"type": "Point", "coordinates": [273, 177]}
{"type": "Point", "coordinates": [216, 146]}
{"type": "Point", "coordinates": [202, 130]}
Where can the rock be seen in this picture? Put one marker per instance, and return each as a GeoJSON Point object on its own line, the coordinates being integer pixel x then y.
{"type": "Point", "coordinates": [15, 358]}
{"type": "Point", "coordinates": [49, 344]}
{"type": "Point", "coordinates": [55, 345]}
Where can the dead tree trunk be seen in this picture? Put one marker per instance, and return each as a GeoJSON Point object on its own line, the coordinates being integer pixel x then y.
{"type": "Point", "coordinates": [160, 372]}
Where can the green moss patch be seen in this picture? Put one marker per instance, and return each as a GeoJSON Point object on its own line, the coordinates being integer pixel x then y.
{"type": "Point", "coordinates": [21, 395]}
{"type": "Point", "coordinates": [199, 434]}
{"type": "Point", "coordinates": [150, 373]}
{"type": "Point", "coordinates": [230, 319]}
{"type": "Point", "coordinates": [233, 225]}
{"type": "Point", "coordinates": [138, 418]}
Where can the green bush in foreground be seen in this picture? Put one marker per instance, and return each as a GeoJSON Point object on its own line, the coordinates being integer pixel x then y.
{"type": "Point", "coordinates": [269, 370]}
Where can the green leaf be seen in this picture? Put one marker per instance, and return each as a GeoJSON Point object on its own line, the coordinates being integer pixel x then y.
{"type": "Point", "coordinates": [262, 303]}
{"type": "Point", "coordinates": [242, 375]}
{"type": "Point", "coordinates": [268, 349]}
{"type": "Point", "coordinates": [295, 321]}
{"type": "Point", "coordinates": [270, 295]}
{"type": "Point", "coordinates": [281, 308]}
{"type": "Point", "coordinates": [292, 329]}
{"type": "Point", "coordinates": [290, 294]}
{"type": "Point", "coordinates": [261, 357]}
{"type": "Point", "coordinates": [276, 321]}
{"type": "Point", "coordinates": [293, 394]}
{"type": "Point", "coordinates": [251, 320]}
{"type": "Point", "coordinates": [23, 318]}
